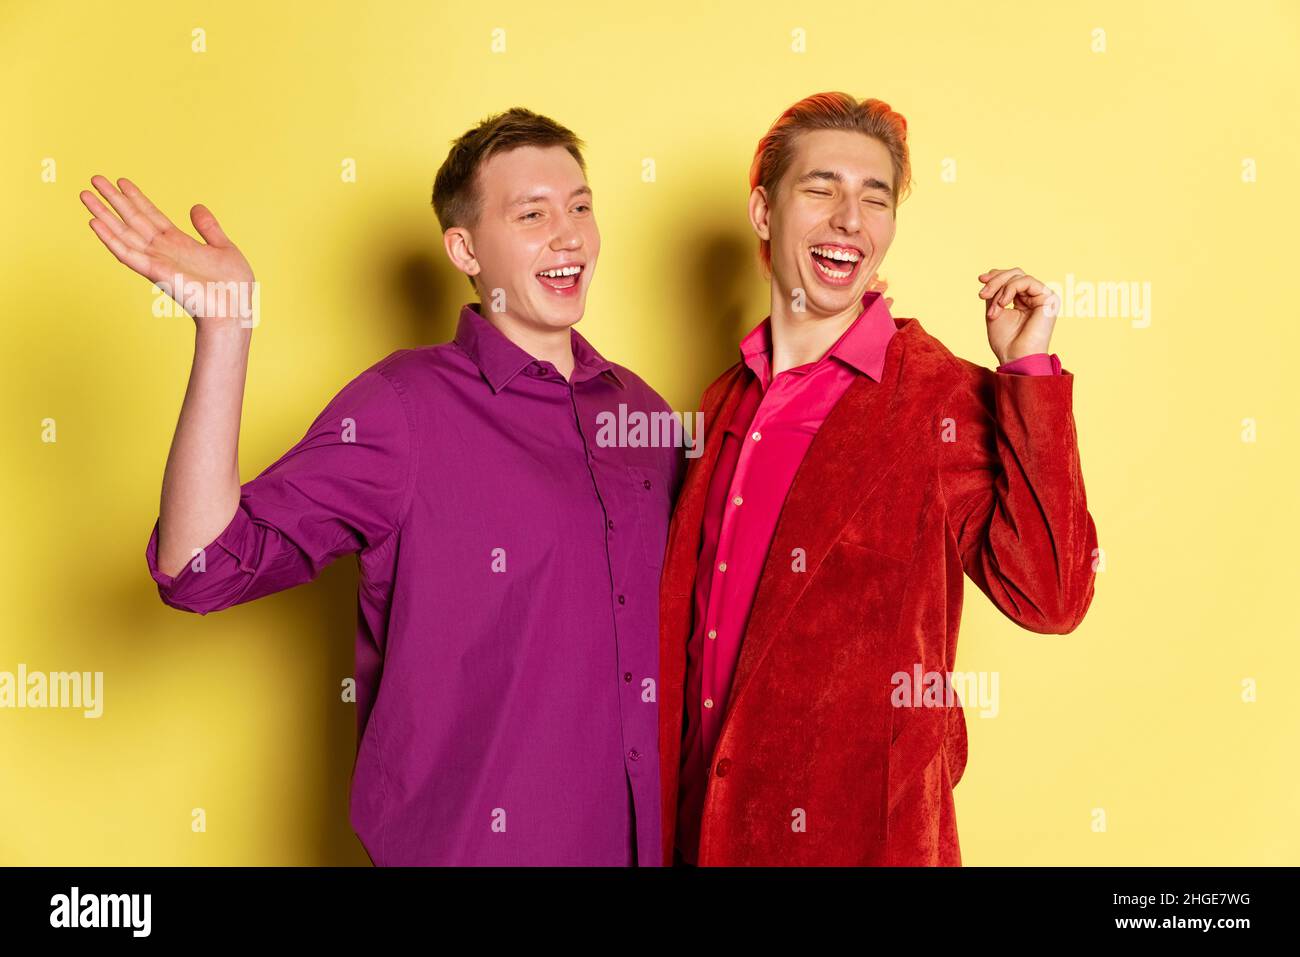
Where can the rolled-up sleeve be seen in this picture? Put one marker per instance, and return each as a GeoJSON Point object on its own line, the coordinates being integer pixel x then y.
{"type": "Point", "coordinates": [344, 487]}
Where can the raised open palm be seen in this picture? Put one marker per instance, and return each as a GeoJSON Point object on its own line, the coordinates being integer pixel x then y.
{"type": "Point", "coordinates": [212, 281]}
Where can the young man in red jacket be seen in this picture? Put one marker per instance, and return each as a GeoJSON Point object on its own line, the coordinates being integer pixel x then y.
{"type": "Point", "coordinates": [857, 469]}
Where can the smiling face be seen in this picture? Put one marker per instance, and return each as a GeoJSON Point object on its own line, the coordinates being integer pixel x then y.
{"type": "Point", "coordinates": [830, 219]}
{"type": "Point", "coordinates": [535, 239]}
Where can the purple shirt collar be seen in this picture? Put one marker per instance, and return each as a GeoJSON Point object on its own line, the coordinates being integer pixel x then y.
{"type": "Point", "coordinates": [500, 360]}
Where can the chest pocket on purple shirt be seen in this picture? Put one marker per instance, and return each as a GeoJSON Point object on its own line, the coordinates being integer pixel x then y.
{"type": "Point", "coordinates": [650, 489]}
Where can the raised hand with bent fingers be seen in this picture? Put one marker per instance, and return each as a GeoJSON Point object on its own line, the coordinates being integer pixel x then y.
{"type": "Point", "coordinates": [1020, 313]}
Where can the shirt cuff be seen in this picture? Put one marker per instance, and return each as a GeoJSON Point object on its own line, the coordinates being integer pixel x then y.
{"type": "Point", "coordinates": [1040, 363]}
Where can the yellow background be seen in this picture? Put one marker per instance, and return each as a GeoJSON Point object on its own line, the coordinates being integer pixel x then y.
{"type": "Point", "coordinates": [1116, 166]}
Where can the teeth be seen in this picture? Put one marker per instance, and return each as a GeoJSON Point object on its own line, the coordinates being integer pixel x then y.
{"type": "Point", "coordinates": [561, 273]}
{"type": "Point", "coordinates": [834, 274]}
{"type": "Point", "coordinates": [844, 255]}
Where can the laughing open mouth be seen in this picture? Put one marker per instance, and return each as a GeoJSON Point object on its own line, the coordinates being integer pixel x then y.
{"type": "Point", "coordinates": [561, 279]}
{"type": "Point", "coordinates": [836, 265]}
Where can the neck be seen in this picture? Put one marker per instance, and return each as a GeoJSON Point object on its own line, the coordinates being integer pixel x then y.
{"type": "Point", "coordinates": [802, 337]}
{"type": "Point", "coordinates": [546, 345]}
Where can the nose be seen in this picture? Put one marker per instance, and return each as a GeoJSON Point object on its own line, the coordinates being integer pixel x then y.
{"type": "Point", "coordinates": [567, 236]}
{"type": "Point", "coordinates": [847, 216]}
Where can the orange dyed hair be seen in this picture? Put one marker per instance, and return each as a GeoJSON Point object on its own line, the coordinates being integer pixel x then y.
{"type": "Point", "coordinates": [829, 111]}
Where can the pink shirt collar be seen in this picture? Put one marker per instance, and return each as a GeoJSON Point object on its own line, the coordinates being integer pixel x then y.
{"type": "Point", "coordinates": [862, 346]}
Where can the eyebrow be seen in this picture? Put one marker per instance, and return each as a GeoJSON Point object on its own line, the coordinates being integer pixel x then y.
{"type": "Point", "coordinates": [869, 183]}
{"type": "Point", "coordinates": [540, 197]}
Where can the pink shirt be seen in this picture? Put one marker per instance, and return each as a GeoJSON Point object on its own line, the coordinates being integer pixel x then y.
{"type": "Point", "coordinates": [763, 445]}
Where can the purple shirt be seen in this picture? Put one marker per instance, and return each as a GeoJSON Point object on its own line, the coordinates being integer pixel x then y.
{"type": "Point", "coordinates": [507, 656]}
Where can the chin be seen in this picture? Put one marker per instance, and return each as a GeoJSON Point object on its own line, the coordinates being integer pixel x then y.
{"type": "Point", "coordinates": [826, 301]}
{"type": "Point", "coordinates": [560, 316]}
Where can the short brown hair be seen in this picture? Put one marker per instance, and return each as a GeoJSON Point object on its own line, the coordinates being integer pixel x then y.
{"type": "Point", "coordinates": [456, 197]}
{"type": "Point", "coordinates": [829, 111]}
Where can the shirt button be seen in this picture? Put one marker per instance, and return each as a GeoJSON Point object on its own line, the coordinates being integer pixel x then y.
{"type": "Point", "coordinates": [756, 436]}
{"type": "Point", "coordinates": [724, 765]}
{"type": "Point", "coordinates": [611, 524]}
{"type": "Point", "coordinates": [708, 702]}
{"type": "Point", "coordinates": [713, 632]}
{"type": "Point", "coordinates": [737, 500]}
{"type": "Point", "coordinates": [622, 600]}
{"type": "Point", "coordinates": [722, 566]}
{"type": "Point", "coordinates": [627, 676]}
{"type": "Point", "coordinates": [634, 754]}
{"type": "Point", "coordinates": [646, 483]}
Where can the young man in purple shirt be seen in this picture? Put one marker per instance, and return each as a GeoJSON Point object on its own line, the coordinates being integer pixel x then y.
{"type": "Point", "coordinates": [507, 639]}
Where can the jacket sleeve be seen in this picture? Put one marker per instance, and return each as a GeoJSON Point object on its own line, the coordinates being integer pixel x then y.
{"type": "Point", "coordinates": [343, 487]}
{"type": "Point", "coordinates": [1014, 495]}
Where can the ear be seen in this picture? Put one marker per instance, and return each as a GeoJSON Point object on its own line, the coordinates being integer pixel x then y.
{"type": "Point", "coordinates": [759, 211]}
{"type": "Point", "coordinates": [460, 250]}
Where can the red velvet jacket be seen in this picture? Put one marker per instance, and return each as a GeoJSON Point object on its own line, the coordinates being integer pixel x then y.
{"type": "Point", "coordinates": [941, 468]}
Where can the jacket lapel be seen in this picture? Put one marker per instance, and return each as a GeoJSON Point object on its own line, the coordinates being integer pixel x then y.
{"type": "Point", "coordinates": [687, 527]}
{"type": "Point", "coordinates": [864, 434]}
{"type": "Point", "coordinates": [677, 589]}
